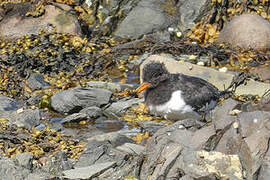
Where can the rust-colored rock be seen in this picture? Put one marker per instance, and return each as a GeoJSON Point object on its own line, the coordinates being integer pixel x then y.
{"type": "Point", "coordinates": [16, 24]}
{"type": "Point", "coordinates": [247, 31]}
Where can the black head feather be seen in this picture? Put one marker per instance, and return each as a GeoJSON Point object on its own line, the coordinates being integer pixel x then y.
{"type": "Point", "coordinates": [153, 71]}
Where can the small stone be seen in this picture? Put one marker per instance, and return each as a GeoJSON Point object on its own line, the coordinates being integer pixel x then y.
{"type": "Point", "coordinates": [200, 63]}
{"type": "Point", "coordinates": [19, 111]}
{"type": "Point", "coordinates": [192, 57]}
{"type": "Point", "coordinates": [235, 112]}
{"type": "Point", "coordinates": [171, 29]}
{"type": "Point", "coordinates": [178, 34]}
{"type": "Point", "coordinates": [223, 69]}
{"type": "Point", "coordinates": [235, 125]}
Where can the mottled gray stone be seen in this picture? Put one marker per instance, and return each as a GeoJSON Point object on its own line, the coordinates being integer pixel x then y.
{"type": "Point", "coordinates": [88, 172]}
{"type": "Point", "coordinates": [8, 104]}
{"type": "Point", "coordinates": [250, 122]}
{"type": "Point", "coordinates": [75, 117]}
{"type": "Point", "coordinates": [92, 112]}
{"type": "Point", "coordinates": [145, 18]}
{"type": "Point", "coordinates": [221, 114]}
{"type": "Point", "coordinates": [36, 81]}
{"type": "Point", "coordinates": [253, 150]}
{"type": "Point", "coordinates": [57, 163]}
{"type": "Point", "coordinates": [74, 100]}
{"type": "Point", "coordinates": [122, 105]}
{"type": "Point", "coordinates": [9, 170]}
{"type": "Point", "coordinates": [23, 118]}
{"type": "Point", "coordinates": [190, 12]}
{"type": "Point", "coordinates": [150, 126]}
{"type": "Point", "coordinates": [265, 167]}
{"type": "Point", "coordinates": [131, 148]}
{"type": "Point", "coordinates": [100, 152]}
{"type": "Point", "coordinates": [25, 160]}
{"type": "Point", "coordinates": [110, 86]}
{"type": "Point", "coordinates": [115, 138]}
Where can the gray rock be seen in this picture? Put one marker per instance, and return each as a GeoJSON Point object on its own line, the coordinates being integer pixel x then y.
{"type": "Point", "coordinates": [248, 137]}
{"type": "Point", "coordinates": [228, 141]}
{"type": "Point", "coordinates": [250, 122]}
{"type": "Point", "coordinates": [23, 118]}
{"type": "Point", "coordinates": [150, 126]}
{"type": "Point", "coordinates": [221, 114]}
{"type": "Point", "coordinates": [131, 148]}
{"type": "Point", "coordinates": [239, 32]}
{"type": "Point", "coordinates": [100, 152]}
{"type": "Point", "coordinates": [219, 79]}
{"type": "Point", "coordinates": [38, 176]}
{"type": "Point", "coordinates": [265, 167]}
{"type": "Point", "coordinates": [57, 163]}
{"type": "Point", "coordinates": [92, 112]}
{"type": "Point", "coordinates": [25, 160]}
{"type": "Point", "coordinates": [76, 117]}
{"type": "Point", "coordinates": [253, 150]}
{"type": "Point", "coordinates": [74, 100]}
{"type": "Point", "coordinates": [35, 100]}
{"type": "Point", "coordinates": [145, 18]}
{"type": "Point", "coordinates": [110, 86]}
{"type": "Point", "coordinates": [8, 104]}
{"type": "Point", "coordinates": [210, 165]}
{"type": "Point", "coordinates": [136, 62]}
{"type": "Point", "coordinates": [115, 139]}
{"type": "Point", "coordinates": [172, 139]}
{"type": "Point", "coordinates": [82, 134]}
{"type": "Point", "coordinates": [88, 172]}
{"type": "Point", "coordinates": [122, 105]}
{"type": "Point", "coordinates": [9, 170]}
{"type": "Point", "coordinates": [190, 12]}
{"type": "Point", "coordinates": [36, 81]}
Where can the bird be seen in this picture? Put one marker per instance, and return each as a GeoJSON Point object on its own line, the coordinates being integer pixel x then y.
{"type": "Point", "coordinates": [176, 96]}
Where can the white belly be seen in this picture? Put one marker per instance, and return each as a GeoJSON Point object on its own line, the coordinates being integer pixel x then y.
{"type": "Point", "coordinates": [175, 108]}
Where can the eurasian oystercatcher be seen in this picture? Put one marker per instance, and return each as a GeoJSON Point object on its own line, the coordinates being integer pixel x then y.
{"type": "Point", "coordinates": [176, 96]}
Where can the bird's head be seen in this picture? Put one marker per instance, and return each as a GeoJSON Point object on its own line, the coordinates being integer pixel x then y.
{"type": "Point", "coordinates": [153, 74]}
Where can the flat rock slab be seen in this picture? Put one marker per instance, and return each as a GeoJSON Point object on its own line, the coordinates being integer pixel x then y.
{"type": "Point", "coordinates": [120, 106]}
{"type": "Point", "coordinates": [219, 79]}
{"type": "Point", "coordinates": [88, 172]}
{"type": "Point", "coordinates": [131, 148]}
{"type": "Point", "coordinates": [110, 86]}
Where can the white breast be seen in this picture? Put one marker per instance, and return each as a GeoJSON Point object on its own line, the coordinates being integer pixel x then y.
{"type": "Point", "coordinates": [174, 109]}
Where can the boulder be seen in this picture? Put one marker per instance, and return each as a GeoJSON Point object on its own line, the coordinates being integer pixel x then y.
{"type": "Point", "coordinates": [247, 31]}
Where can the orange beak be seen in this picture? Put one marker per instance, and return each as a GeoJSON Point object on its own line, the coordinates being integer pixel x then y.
{"type": "Point", "coordinates": [142, 87]}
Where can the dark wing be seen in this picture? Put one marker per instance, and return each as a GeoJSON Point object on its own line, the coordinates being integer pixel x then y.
{"type": "Point", "coordinates": [196, 92]}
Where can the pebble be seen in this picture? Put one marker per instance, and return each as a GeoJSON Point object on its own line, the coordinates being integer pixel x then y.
{"type": "Point", "coordinates": [223, 69]}
{"type": "Point", "coordinates": [200, 63]}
